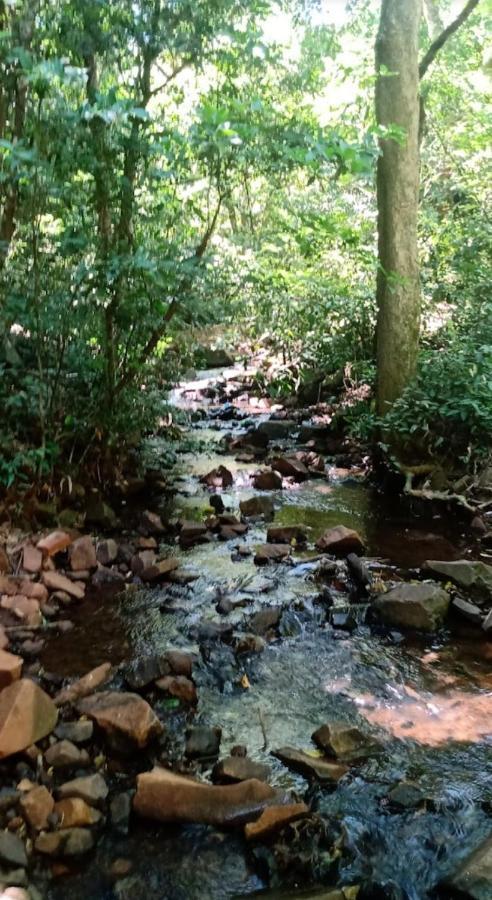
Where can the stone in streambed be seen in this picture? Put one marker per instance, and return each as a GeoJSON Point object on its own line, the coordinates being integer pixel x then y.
{"type": "Point", "coordinates": [36, 806]}
{"type": "Point", "coordinates": [268, 553]}
{"type": "Point", "coordinates": [276, 429]}
{"type": "Point", "coordinates": [82, 554]}
{"type": "Point", "coordinates": [473, 878]}
{"type": "Point", "coordinates": [85, 685]}
{"type": "Point", "coordinates": [192, 533]}
{"type": "Point", "coordinates": [273, 819]}
{"type": "Point", "coordinates": [203, 742]}
{"type": "Point", "coordinates": [167, 797]}
{"type": "Point", "coordinates": [286, 534]}
{"type": "Point", "coordinates": [239, 768]}
{"type": "Point", "coordinates": [73, 812]}
{"type": "Point", "coordinates": [65, 755]}
{"type": "Point", "coordinates": [106, 551]}
{"type": "Point", "coordinates": [127, 720]}
{"type": "Point", "coordinates": [181, 663]}
{"type": "Point", "coordinates": [290, 467]}
{"type": "Point", "coordinates": [265, 619]}
{"type": "Point", "coordinates": [91, 788]}
{"type": "Point", "coordinates": [267, 480]}
{"type": "Point", "coordinates": [10, 668]}
{"type": "Point", "coordinates": [160, 570]}
{"type": "Point", "coordinates": [219, 477]}
{"type": "Point", "coordinates": [120, 810]}
{"type": "Point", "coordinates": [343, 741]}
{"type": "Point", "coordinates": [464, 610]}
{"type": "Point", "coordinates": [54, 543]}
{"type": "Point", "coordinates": [142, 672]}
{"type": "Point", "coordinates": [32, 559]}
{"type": "Point", "coordinates": [406, 795]}
{"type": "Point", "coordinates": [151, 523]}
{"type": "Point", "coordinates": [180, 687]}
{"type": "Point", "coordinates": [77, 732]}
{"type": "Point", "coordinates": [421, 606]}
{"type": "Point", "coordinates": [257, 506]}
{"type": "Point", "coordinates": [68, 842]}
{"type": "Point", "coordinates": [27, 714]}
{"type": "Point", "coordinates": [340, 541]}
{"type": "Point", "coordinates": [311, 765]}
{"type": "Point", "coordinates": [12, 850]}
{"type": "Point", "coordinates": [55, 581]}
{"type": "Point", "coordinates": [471, 574]}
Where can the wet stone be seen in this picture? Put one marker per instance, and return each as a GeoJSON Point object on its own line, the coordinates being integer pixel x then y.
{"type": "Point", "coordinates": [239, 768]}
{"type": "Point", "coordinates": [267, 480]}
{"type": "Point", "coordinates": [120, 810]}
{"type": "Point", "coordinates": [106, 552]}
{"type": "Point", "coordinates": [257, 506]}
{"type": "Point", "coordinates": [420, 606]}
{"type": "Point", "coordinates": [180, 687]}
{"type": "Point", "coordinates": [311, 766]}
{"type": "Point", "coordinates": [68, 842]}
{"type": "Point", "coordinates": [340, 541]}
{"type": "Point", "coordinates": [65, 755]}
{"type": "Point", "coordinates": [91, 788]}
{"type": "Point", "coordinates": [73, 812]}
{"type": "Point", "coordinates": [82, 554]}
{"type": "Point", "coordinates": [203, 742]}
{"type": "Point", "coordinates": [344, 741]}
{"type": "Point", "coordinates": [77, 732]}
{"type": "Point", "coordinates": [273, 819]}
{"type": "Point", "coordinates": [345, 621]}
{"type": "Point", "coordinates": [27, 714]}
{"type": "Point", "coordinates": [406, 795]}
{"type": "Point", "coordinates": [264, 620]}
{"type": "Point", "coordinates": [142, 672]}
{"type": "Point", "coordinates": [36, 806]}
{"type": "Point", "coordinates": [269, 553]}
{"type": "Point", "coordinates": [473, 878]}
{"type": "Point", "coordinates": [466, 611]}
{"type": "Point", "coordinates": [128, 722]}
{"type": "Point", "coordinates": [287, 534]}
{"type": "Point", "coordinates": [12, 850]}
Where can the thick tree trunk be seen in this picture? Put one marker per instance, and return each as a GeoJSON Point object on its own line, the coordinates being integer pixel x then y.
{"type": "Point", "coordinates": [398, 287]}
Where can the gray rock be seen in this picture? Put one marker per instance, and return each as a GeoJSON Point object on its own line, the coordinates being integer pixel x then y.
{"type": "Point", "coordinates": [92, 788]}
{"type": "Point", "coordinates": [12, 850]}
{"type": "Point", "coordinates": [77, 732]}
{"type": "Point", "coordinates": [142, 672]}
{"type": "Point", "coordinates": [69, 842]}
{"type": "Point", "coordinates": [120, 809]}
{"type": "Point", "coordinates": [473, 879]}
{"type": "Point", "coordinates": [471, 574]}
{"type": "Point", "coordinates": [466, 610]}
{"type": "Point", "coordinates": [421, 606]}
{"type": "Point", "coordinates": [65, 755]}
{"type": "Point", "coordinates": [406, 795]}
{"type": "Point", "coordinates": [277, 429]}
{"type": "Point", "coordinates": [257, 506]}
{"type": "Point", "coordinates": [203, 742]}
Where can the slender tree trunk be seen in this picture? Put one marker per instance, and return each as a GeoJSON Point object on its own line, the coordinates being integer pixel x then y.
{"type": "Point", "coordinates": [398, 287]}
{"type": "Point", "coordinates": [433, 18]}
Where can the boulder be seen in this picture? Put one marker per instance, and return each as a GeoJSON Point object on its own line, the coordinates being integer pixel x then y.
{"type": "Point", "coordinates": [340, 541]}
{"type": "Point", "coordinates": [73, 812]}
{"type": "Point", "coordinates": [85, 685]}
{"type": "Point", "coordinates": [257, 506]}
{"type": "Point", "coordinates": [219, 477]}
{"type": "Point", "coordinates": [343, 741]}
{"type": "Point", "coordinates": [290, 467]}
{"type": "Point", "coordinates": [273, 819]}
{"type": "Point", "coordinates": [311, 765]}
{"type": "Point", "coordinates": [27, 714]}
{"type": "Point", "coordinates": [239, 768]}
{"type": "Point", "coordinates": [127, 720]}
{"type": "Point", "coordinates": [91, 788]}
{"type": "Point", "coordinates": [159, 571]}
{"type": "Point", "coordinates": [267, 480]}
{"type": "Point", "coordinates": [54, 543]}
{"type": "Point", "coordinates": [69, 842]}
{"type": "Point", "coordinates": [55, 581]}
{"type": "Point", "coordinates": [276, 429]}
{"type": "Point", "coordinates": [10, 668]}
{"type": "Point", "coordinates": [167, 797]}
{"type": "Point", "coordinates": [82, 554]}
{"type": "Point", "coordinates": [36, 806]}
{"type": "Point", "coordinates": [286, 534]}
{"type": "Point", "coordinates": [268, 553]}
{"type": "Point", "coordinates": [473, 878]}
{"type": "Point", "coordinates": [470, 574]}
{"type": "Point", "coordinates": [203, 742]}
{"type": "Point", "coordinates": [421, 606]}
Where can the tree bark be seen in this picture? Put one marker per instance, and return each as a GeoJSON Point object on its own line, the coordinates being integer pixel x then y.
{"type": "Point", "coordinates": [398, 285]}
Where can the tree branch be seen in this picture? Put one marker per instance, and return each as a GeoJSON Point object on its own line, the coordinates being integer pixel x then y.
{"type": "Point", "coordinates": [438, 44]}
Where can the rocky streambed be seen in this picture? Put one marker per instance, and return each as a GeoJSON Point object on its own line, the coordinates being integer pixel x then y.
{"type": "Point", "coordinates": [267, 680]}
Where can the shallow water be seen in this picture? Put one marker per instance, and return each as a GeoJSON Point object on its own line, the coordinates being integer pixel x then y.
{"type": "Point", "coordinates": [428, 700]}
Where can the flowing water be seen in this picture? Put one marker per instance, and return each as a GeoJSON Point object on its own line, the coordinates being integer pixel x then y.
{"type": "Point", "coordinates": [428, 699]}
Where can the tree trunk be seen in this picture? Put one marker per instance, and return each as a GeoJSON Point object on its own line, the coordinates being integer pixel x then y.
{"type": "Point", "coordinates": [433, 18]}
{"type": "Point", "coordinates": [398, 287]}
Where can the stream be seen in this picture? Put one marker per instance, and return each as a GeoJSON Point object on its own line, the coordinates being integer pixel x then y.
{"type": "Point", "coordinates": [426, 698]}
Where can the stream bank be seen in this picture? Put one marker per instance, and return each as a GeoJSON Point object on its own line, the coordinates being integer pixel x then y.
{"type": "Point", "coordinates": [277, 650]}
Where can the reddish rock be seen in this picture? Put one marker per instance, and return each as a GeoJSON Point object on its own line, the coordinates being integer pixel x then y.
{"type": "Point", "coordinates": [271, 553]}
{"type": "Point", "coordinates": [311, 765]}
{"type": "Point", "coordinates": [340, 541]}
{"type": "Point", "coordinates": [286, 534]}
{"type": "Point", "coordinates": [239, 768]}
{"type": "Point", "coordinates": [124, 718]}
{"type": "Point", "coordinates": [73, 812]}
{"type": "Point", "coordinates": [4, 641]}
{"type": "Point", "coordinates": [32, 559]}
{"type": "Point", "coordinates": [265, 619]}
{"type": "Point", "coordinates": [180, 687]}
{"type": "Point", "coordinates": [142, 561]}
{"type": "Point", "coordinates": [36, 806]}
{"type": "Point", "coordinates": [4, 560]}
{"type": "Point", "coordinates": [193, 533]}
{"type": "Point", "coordinates": [219, 477]}
{"type": "Point", "coordinates": [273, 819]}
{"type": "Point", "coordinates": [8, 585]}
{"type": "Point", "coordinates": [82, 554]}
{"type": "Point", "coordinates": [344, 741]}
{"type": "Point", "coordinates": [27, 714]}
{"type": "Point", "coordinates": [159, 571]}
{"type": "Point", "coordinates": [147, 543]}
{"type": "Point", "coordinates": [106, 552]}
{"type": "Point", "coordinates": [151, 522]}
{"type": "Point", "coordinates": [34, 590]}
{"type": "Point", "coordinates": [54, 543]}
{"type": "Point", "coordinates": [167, 797]}
{"type": "Point", "coordinates": [69, 842]}
{"type": "Point", "coordinates": [23, 608]}
{"type": "Point", "coordinates": [290, 467]}
{"type": "Point", "coordinates": [267, 480]}
{"type": "Point", "coordinates": [55, 581]}
{"type": "Point", "coordinates": [85, 685]}
{"type": "Point", "coordinates": [181, 663]}
{"type": "Point", "coordinates": [10, 668]}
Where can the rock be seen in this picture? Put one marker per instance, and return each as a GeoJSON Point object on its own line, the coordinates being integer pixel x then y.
{"type": "Point", "coordinates": [120, 809]}
{"type": "Point", "coordinates": [311, 765]}
{"type": "Point", "coordinates": [127, 720]}
{"type": "Point", "coordinates": [239, 768]}
{"type": "Point", "coordinates": [106, 551]}
{"type": "Point", "coordinates": [340, 541]}
{"type": "Point", "coordinates": [290, 467]}
{"type": "Point", "coordinates": [34, 590]}
{"type": "Point", "coordinates": [287, 534]}
{"type": "Point", "coordinates": [68, 842]}
{"type": "Point", "coordinates": [203, 742]}
{"type": "Point", "coordinates": [54, 543]}
{"type": "Point", "coordinates": [273, 819]}
{"type": "Point", "coordinates": [180, 687]}
{"type": "Point", "coordinates": [64, 755]}
{"type": "Point", "coordinates": [91, 788]}
{"type": "Point", "coordinates": [257, 506]}
{"type": "Point", "coordinates": [12, 850]}
{"type": "Point", "coordinates": [55, 581]}
{"type": "Point", "coordinates": [344, 620]}
{"type": "Point", "coordinates": [219, 477]}
{"type": "Point", "coordinates": [181, 663]}
{"type": "Point", "coordinates": [160, 570]}
{"type": "Point", "coordinates": [470, 574]}
{"type": "Point", "coordinates": [32, 559]}
{"type": "Point", "coordinates": [473, 878]}
{"type": "Point", "coordinates": [167, 797]}
{"type": "Point", "coordinates": [265, 619]}
{"type": "Point", "coordinates": [73, 812]}
{"type": "Point", "coordinates": [463, 609]}
{"type": "Point", "coordinates": [85, 685]}
{"type": "Point", "coordinates": [25, 608]}
{"type": "Point", "coordinates": [144, 559]}
{"type": "Point", "coordinates": [358, 572]}
{"type": "Point", "coordinates": [27, 714]}
{"type": "Point", "coordinates": [142, 672]}
{"type": "Point", "coordinates": [422, 606]}
{"type": "Point", "coordinates": [82, 554]}
{"type": "Point", "coordinates": [100, 513]}
{"type": "Point", "coordinates": [4, 560]}
{"type": "Point", "coordinates": [16, 892]}
{"type": "Point", "coordinates": [276, 429]}
{"type": "Point", "coordinates": [406, 795]}
{"type": "Point", "coordinates": [267, 480]}
{"type": "Point", "coordinates": [193, 533]}
{"type": "Point", "coordinates": [4, 641]}
{"type": "Point", "coordinates": [487, 623]}
{"type": "Point", "coordinates": [249, 643]}
{"type": "Point", "coordinates": [104, 576]}
{"type": "Point", "coordinates": [36, 806]}
{"type": "Point", "coordinates": [343, 741]}
{"type": "Point", "coordinates": [268, 553]}
{"type": "Point", "coordinates": [10, 668]}
{"type": "Point", "coordinates": [214, 357]}
{"type": "Point", "coordinates": [151, 523]}
{"type": "Point", "coordinates": [77, 732]}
